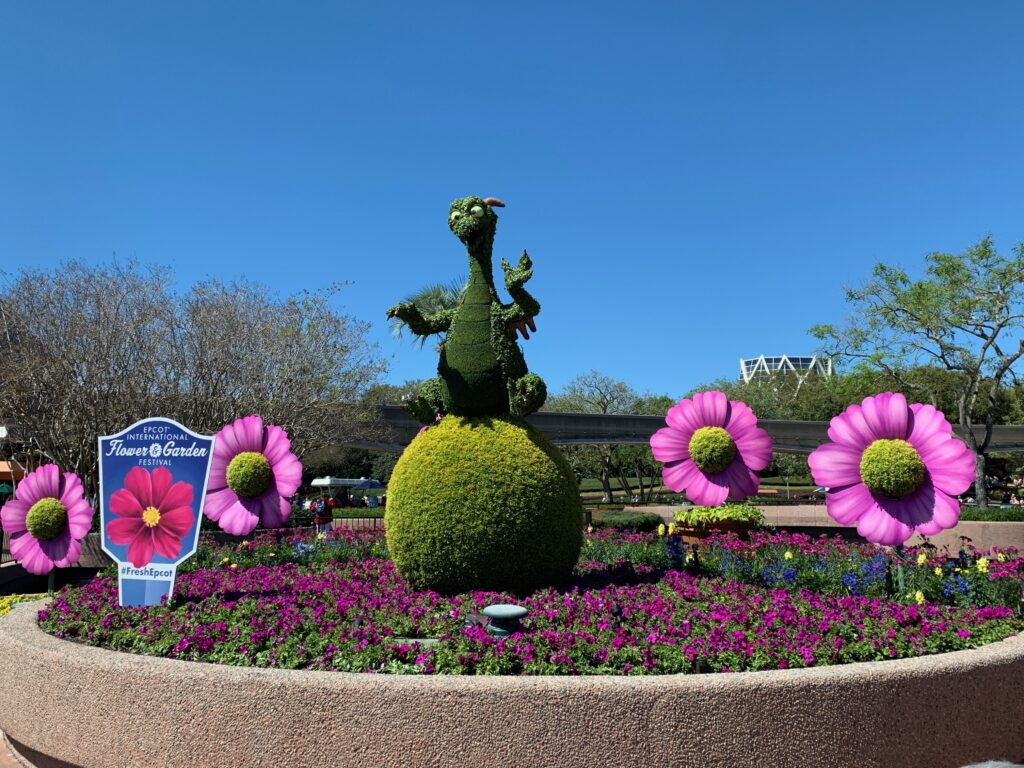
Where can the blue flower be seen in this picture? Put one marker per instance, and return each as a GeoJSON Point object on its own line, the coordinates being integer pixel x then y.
{"type": "Point", "coordinates": [851, 582]}
{"type": "Point", "coordinates": [789, 575]}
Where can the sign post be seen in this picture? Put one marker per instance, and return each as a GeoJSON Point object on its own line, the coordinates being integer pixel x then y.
{"type": "Point", "coordinates": [153, 478]}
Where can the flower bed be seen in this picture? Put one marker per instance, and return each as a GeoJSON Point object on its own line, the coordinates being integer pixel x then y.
{"type": "Point", "coordinates": [639, 604]}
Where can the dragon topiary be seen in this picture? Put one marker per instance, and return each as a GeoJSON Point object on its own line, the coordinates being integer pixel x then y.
{"type": "Point", "coordinates": [481, 370]}
{"type": "Point", "coordinates": [481, 500]}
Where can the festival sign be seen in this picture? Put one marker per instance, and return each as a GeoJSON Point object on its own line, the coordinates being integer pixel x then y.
{"type": "Point", "coordinates": [153, 478]}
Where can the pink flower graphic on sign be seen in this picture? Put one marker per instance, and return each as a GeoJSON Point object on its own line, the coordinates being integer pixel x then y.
{"type": "Point", "coordinates": [47, 520]}
{"type": "Point", "coordinates": [153, 514]}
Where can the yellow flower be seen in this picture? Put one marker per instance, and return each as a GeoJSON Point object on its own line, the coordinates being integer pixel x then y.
{"type": "Point", "coordinates": [982, 565]}
{"type": "Point", "coordinates": [922, 559]}
{"type": "Point", "coordinates": [938, 571]}
{"type": "Point", "coordinates": [234, 565]}
{"type": "Point", "coordinates": [788, 555]}
{"type": "Point", "coordinates": [270, 555]}
{"type": "Point", "coordinates": [919, 597]}
{"type": "Point", "coordinates": [590, 529]}
{"type": "Point", "coordinates": [661, 529]}
{"type": "Point", "coordinates": [320, 536]}
{"type": "Point", "coordinates": [1001, 557]}
{"type": "Point", "coordinates": [689, 557]}
{"type": "Point", "coordinates": [671, 528]}
{"type": "Point", "coordinates": [225, 560]}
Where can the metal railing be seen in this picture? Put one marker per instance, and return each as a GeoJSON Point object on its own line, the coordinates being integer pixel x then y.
{"type": "Point", "coordinates": [5, 549]}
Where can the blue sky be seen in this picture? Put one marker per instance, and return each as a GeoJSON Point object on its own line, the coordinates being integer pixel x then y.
{"type": "Point", "coordinates": [695, 182]}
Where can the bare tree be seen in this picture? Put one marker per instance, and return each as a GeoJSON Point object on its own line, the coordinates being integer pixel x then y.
{"type": "Point", "coordinates": [594, 392]}
{"type": "Point", "coordinates": [88, 350]}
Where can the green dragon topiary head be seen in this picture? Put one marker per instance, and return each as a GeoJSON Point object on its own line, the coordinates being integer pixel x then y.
{"type": "Point", "coordinates": [473, 219]}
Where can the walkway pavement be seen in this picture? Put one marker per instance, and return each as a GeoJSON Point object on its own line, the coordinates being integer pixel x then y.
{"type": "Point", "coordinates": [8, 758]}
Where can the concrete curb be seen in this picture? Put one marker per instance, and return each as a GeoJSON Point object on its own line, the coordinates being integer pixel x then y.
{"type": "Point", "coordinates": [70, 704]}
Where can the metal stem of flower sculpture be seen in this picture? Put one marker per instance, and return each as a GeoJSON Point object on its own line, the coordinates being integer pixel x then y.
{"type": "Point", "coordinates": [481, 370]}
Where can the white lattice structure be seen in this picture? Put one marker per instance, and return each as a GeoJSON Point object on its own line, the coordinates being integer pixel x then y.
{"type": "Point", "coordinates": [759, 368]}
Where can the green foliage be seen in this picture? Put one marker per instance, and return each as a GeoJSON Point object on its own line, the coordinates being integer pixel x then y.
{"type": "Point", "coordinates": [892, 468]}
{"type": "Point", "coordinates": [47, 519]}
{"type": "Point", "coordinates": [994, 515]}
{"type": "Point", "coordinates": [706, 517]}
{"type": "Point", "coordinates": [790, 468]}
{"type": "Point", "coordinates": [644, 522]}
{"type": "Point", "coordinates": [483, 503]}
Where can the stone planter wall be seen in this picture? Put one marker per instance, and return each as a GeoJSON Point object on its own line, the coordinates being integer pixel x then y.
{"type": "Point", "coordinates": [65, 704]}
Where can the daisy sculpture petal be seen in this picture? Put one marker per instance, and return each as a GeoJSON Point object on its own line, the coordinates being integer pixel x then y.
{"type": "Point", "coordinates": [712, 449]}
{"type": "Point", "coordinates": [47, 520]}
{"type": "Point", "coordinates": [893, 469]}
{"type": "Point", "coordinates": [253, 474]}
{"type": "Point", "coordinates": [153, 514]}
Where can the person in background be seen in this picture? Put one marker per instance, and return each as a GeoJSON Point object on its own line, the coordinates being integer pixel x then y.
{"type": "Point", "coordinates": [323, 514]}
{"type": "Point", "coordinates": [371, 500]}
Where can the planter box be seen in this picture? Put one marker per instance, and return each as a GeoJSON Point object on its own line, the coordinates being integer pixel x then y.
{"type": "Point", "coordinates": [697, 534]}
{"type": "Point", "coordinates": [68, 704]}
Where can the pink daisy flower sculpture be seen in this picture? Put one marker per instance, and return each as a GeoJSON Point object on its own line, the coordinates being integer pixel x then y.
{"type": "Point", "coordinates": [47, 520]}
{"type": "Point", "coordinates": [712, 449]}
{"type": "Point", "coordinates": [153, 514]}
{"type": "Point", "coordinates": [253, 474]}
{"type": "Point", "coordinates": [892, 469]}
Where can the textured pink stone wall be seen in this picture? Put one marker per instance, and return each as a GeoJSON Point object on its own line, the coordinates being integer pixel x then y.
{"type": "Point", "coordinates": [90, 707]}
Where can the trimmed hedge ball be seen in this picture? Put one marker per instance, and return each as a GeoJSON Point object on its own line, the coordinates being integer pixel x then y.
{"type": "Point", "coordinates": [483, 503]}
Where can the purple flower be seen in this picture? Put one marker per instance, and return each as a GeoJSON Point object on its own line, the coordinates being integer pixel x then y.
{"type": "Point", "coordinates": [47, 520]}
{"type": "Point", "coordinates": [893, 469]}
{"type": "Point", "coordinates": [252, 475]}
{"type": "Point", "coordinates": [712, 448]}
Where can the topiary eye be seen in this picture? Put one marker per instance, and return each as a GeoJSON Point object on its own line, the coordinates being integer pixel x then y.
{"type": "Point", "coordinates": [455, 215]}
{"type": "Point", "coordinates": [477, 211]}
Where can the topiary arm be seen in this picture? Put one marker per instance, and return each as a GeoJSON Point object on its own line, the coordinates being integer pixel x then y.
{"type": "Point", "coordinates": [524, 306]}
{"type": "Point", "coordinates": [410, 314]}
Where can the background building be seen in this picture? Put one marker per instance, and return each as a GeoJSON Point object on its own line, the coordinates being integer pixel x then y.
{"type": "Point", "coordinates": [761, 368]}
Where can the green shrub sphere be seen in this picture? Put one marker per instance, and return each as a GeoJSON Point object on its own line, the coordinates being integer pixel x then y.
{"type": "Point", "coordinates": [483, 503]}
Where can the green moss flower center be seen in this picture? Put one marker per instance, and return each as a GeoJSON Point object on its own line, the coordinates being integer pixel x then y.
{"type": "Point", "coordinates": [712, 449]}
{"type": "Point", "coordinates": [46, 519]}
{"type": "Point", "coordinates": [249, 474]}
{"type": "Point", "coordinates": [892, 468]}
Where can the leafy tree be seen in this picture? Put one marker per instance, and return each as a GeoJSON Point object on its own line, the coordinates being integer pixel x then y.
{"type": "Point", "coordinates": [594, 392]}
{"type": "Point", "coordinates": [790, 467]}
{"type": "Point", "coordinates": [963, 316]}
{"type": "Point", "coordinates": [430, 300]}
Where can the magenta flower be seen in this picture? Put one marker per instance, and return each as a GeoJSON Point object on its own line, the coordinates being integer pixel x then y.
{"type": "Point", "coordinates": [153, 514]}
{"type": "Point", "coordinates": [47, 520]}
{"type": "Point", "coordinates": [254, 472]}
{"type": "Point", "coordinates": [893, 469]}
{"type": "Point", "coordinates": [712, 448]}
